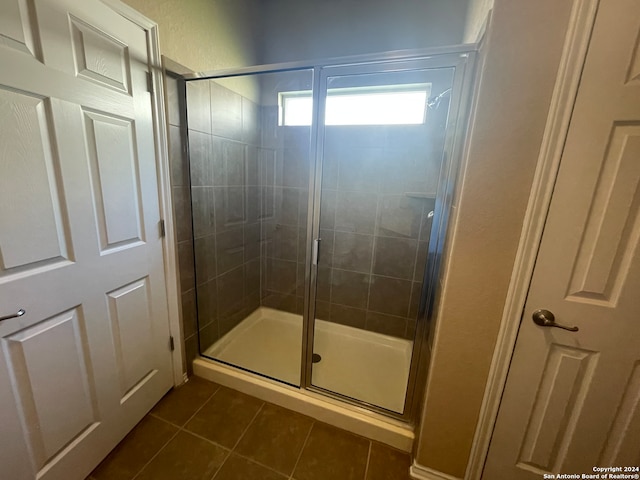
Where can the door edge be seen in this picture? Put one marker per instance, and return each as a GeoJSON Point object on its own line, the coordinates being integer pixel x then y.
{"type": "Point", "coordinates": [170, 253]}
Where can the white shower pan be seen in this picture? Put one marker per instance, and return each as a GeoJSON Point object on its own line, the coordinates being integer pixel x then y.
{"type": "Point", "coordinates": [364, 365]}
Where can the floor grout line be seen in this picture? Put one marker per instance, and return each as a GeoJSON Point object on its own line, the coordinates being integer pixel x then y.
{"type": "Point", "coordinates": [366, 467]}
{"type": "Point", "coordinates": [249, 459]}
{"type": "Point", "coordinates": [208, 440]}
{"type": "Point", "coordinates": [302, 450]}
{"type": "Point", "coordinates": [180, 429]}
{"type": "Point", "coordinates": [229, 451]}
{"type": "Point", "coordinates": [248, 426]}
{"type": "Point", "coordinates": [215, 474]}
{"type": "Point", "coordinates": [153, 415]}
{"type": "Point", "coordinates": [232, 451]}
{"type": "Point", "coordinates": [156, 454]}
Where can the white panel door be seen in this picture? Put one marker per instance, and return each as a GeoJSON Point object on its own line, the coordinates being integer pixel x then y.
{"type": "Point", "coordinates": [572, 399]}
{"type": "Point", "coordinates": [80, 245]}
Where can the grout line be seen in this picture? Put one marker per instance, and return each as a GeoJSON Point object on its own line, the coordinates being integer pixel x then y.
{"type": "Point", "coordinates": [226, 449]}
{"type": "Point", "coordinates": [215, 474]}
{"type": "Point", "coordinates": [154, 415]}
{"type": "Point", "coordinates": [301, 450]}
{"type": "Point", "coordinates": [366, 467]}
{"type": "Point", "coordinates": [208, 440]}
{"type": "Point", "coordinates": [375, 274]}
{"type": "Point", "coordinates": [180, 429]}
{"type": "Point", "coordinates": [248, 426]}
{"type": "Point", "coordinates": [249, 459]}
{"type": "Point", "coordinates": [156, 454]}
{"type": "Point", "coordinates": [374, 247]}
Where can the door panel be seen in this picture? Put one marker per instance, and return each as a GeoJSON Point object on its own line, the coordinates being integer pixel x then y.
{"type": "Point", "coordinates": [57, 399]}
{"type": "Point", "coordinates": [114, 175]}
{"type": "Point", "coordinates": [80, 247]}
{"type": "Point", "coordinates": [32, 188]}
{"type": "Point", "coordinates": [566, 377]}
{"type": "Point", "coordinates": [15, 26]}
{"type": "Point", "coordinates": [100, 57]}
{"type": "Point", "coordinates": [571, 399]}
{"type": "Point", "coordinates": [624, 436]}
{"type": "Point", "coordinates": [609, 237]}
{"type": "Point", "coordinates": [130, 317]}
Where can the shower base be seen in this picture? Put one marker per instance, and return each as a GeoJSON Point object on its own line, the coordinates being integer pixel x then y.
{"type": "Point", "coordinates": [356, 363]}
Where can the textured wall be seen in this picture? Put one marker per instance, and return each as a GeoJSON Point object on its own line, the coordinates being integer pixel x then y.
{"type": "Point", "coordinates": [522, 57]}
{"type": "Point", "coordinates": [476, 15]}
{"type": "Point", "coordinates": [204, 34]}
{"type": "Point", "coordinates": [300, 30]}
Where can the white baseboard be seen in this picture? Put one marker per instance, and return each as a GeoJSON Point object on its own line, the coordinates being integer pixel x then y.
{"type": "Point", "coordinates": [418, 472]}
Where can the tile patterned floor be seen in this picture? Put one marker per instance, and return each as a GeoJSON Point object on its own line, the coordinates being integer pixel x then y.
{"type": "Point", "coordinates": [203, 431]}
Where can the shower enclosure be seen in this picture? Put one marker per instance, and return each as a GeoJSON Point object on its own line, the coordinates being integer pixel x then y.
{"type": "Point", "coordinates": [320, 196]}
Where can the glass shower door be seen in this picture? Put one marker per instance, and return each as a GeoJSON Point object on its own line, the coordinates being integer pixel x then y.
{"type": "Point", "coordinates": [381, 149]}
{"type": "Point", "coordinates": [249, 175]}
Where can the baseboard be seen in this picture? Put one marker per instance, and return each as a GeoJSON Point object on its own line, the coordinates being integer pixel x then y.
{"type": "Point", "coordinates": [418, 472]}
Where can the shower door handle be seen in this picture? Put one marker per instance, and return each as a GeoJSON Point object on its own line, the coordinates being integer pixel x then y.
{"type": "Point", "coordinates": [315, 252]}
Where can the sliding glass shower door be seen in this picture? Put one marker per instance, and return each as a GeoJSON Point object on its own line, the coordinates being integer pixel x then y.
{"type": "Point", "coordinates": [319, 199]}
{"type": "Point", "coordinates": [381, 145]}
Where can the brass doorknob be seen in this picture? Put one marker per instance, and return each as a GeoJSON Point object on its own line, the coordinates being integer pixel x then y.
{"type": "Point", "coordinates": [545, 318]}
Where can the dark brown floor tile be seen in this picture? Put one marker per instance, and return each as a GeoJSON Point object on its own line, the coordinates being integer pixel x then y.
{"type": "Point", "coordinates": [238, 468]}
{"type": "Point", "coordinates": [135, 450]}
{"type": "Point", "coordinates": [385, 463]}
{"type": "Point", "coordinates": [182, 402]}
{"type": "Point", "coordinates": [275, 438]}
{"type": "Point", "coordinates": [186, 457]}
{"type": "Point", "coordinates": [331, 453]}
{"type": "Point", "coordinates": [225, 417]}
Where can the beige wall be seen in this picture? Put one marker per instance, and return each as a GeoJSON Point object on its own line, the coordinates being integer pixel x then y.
{"type": "Point", "coordinates": [299, 30]}
{"type": "Point", "coordinates": [204, 34]}
{"type": "Point", "coordinates": [476, 14]}
{"type": "Point", "coordinates": [521, 61]}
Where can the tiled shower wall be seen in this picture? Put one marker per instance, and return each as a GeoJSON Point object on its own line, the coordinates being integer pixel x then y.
{"type": "Point", "coordinates": [378, 188]}
{"type": "Point", "coordinates": [285, 192]}
{"type": "Point", "coordinates": [250, 197]}
{"type": "Point", "coordinates": [223, 149]}
{"type": "Point", "coordinates": [182, 213]}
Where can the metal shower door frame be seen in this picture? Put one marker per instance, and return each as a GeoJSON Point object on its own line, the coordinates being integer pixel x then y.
{"type": "Point", "coordinates": [462, 59]}
{"type": "Point", "coordinates": [463, 64]}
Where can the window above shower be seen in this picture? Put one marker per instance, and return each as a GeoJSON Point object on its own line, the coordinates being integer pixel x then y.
{"type": "Point", "coordinates": [367, 105]}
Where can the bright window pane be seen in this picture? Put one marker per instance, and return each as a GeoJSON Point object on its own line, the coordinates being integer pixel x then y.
{"type": "Point", "coordinates": [385, 106]}
{"type": "Point", "coordinates": [392, 108]}
{"type": "Point", "coordinates": [298, 111]}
